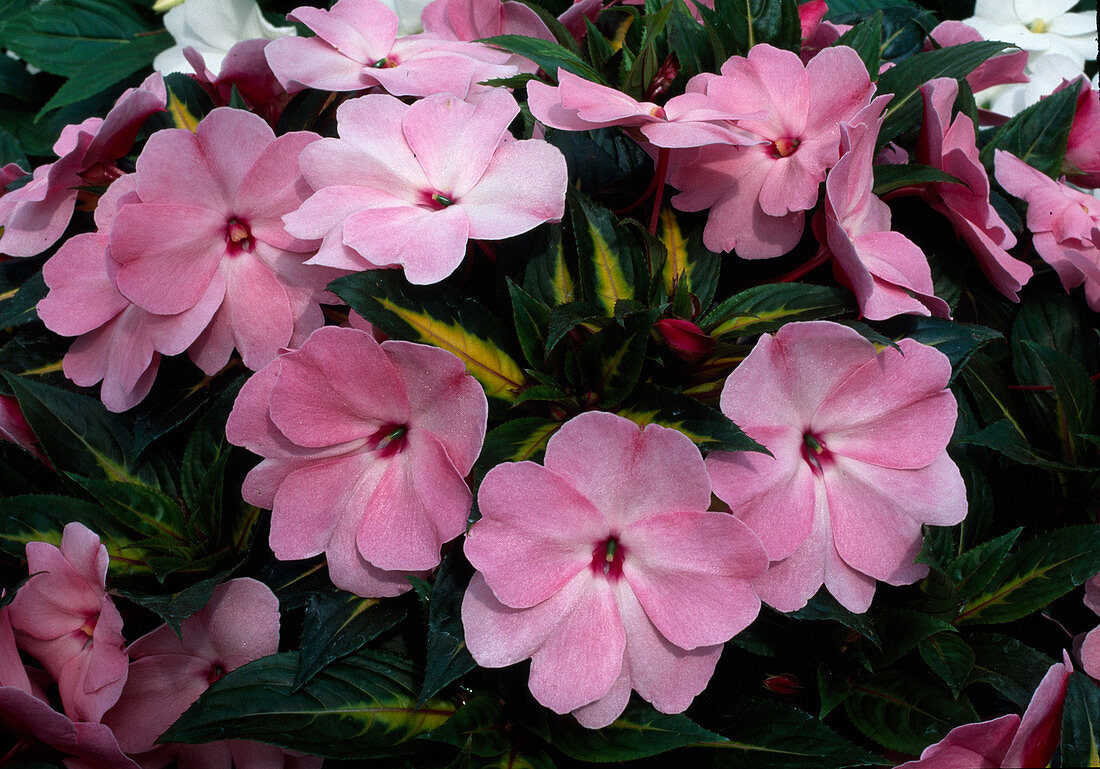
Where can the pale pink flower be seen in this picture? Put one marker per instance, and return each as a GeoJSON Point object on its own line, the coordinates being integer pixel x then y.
{"type": "Point", "coordinates": [470, 20]}
{"type": "Point", "coordinates": [24, 711]}
{"type": "Point", "coordinates": [357, 47]}
{"type": "Point", "coordinates": [1089, 653]}
{"type": "Point", "coordinates": [949, 146]}
{"type": "Point", "coordinates": [757, 193]}
{"type": "Point", "coordinates": [1082, 161]}
{"type": "Point", "coordinates": [1008, 742]}
{"type": "Point", "coordinates": [888, 273]}
{"type": "Point", "coordinates": [858, 460]}
{"type": "Point", "coordinates": [366, 449]}
{"type": "Point", "coordinates": [1064, 222]}
{"type": "Point", "coordinates": [410, 185]}
{"type": "Point", "coordinates": [633, 585]}
{"type": "Point", "coordinates": [64, 618]}
{"type": "Point", "coordinates": [239, 624]}
{"type": "Point", "coordinates": [208, 227]}
{"type": "Point", "coordinates": [36, 215]}
{"type": "Point", "coordinates": [118, 343]}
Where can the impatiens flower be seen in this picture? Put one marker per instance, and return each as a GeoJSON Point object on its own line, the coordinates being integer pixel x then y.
{"type": "Point", "coordinates": [604, 567]}
{"type": "Point", "coordinates": [36, 215]}
{"type": "Point", "coordinates": [366, 449]}
{"type": "Point", "coordinates": [1008, 742]}
{"type": "Point", "coordinates": [888, 273]}
{"type": "Point", "coordinates": [14, 427]}
{"type": "Point", "coordinates": [949, 146]}
{"type": "Point", "coordinates": [357, 47]}
{"type": "Point", "coordinates": [239, 624]}
{"type": "Point", "coordinates": [208, 228]}
{"type": "Point", "coordinates": [1038, 26]}
{"type": "Point", "coordinates": [25, 713]}
{"type": "Point", "coordinates": [858, 460]}
{"type": "Point", "coordinates": [1064, 223]}
{"type": "Point", "coordinates": [410, 185]}
{"type": "Point", "coordinates": [64, 618]}
{"type": "Point", "coordinates": [212, 28]}
{"type": "Point", "coordinates": [1089, 653]}
{"type": "Point", "coordinates": [757, 193]}
{"type": "Point", "coordinates": [118, 343]}
{"type": "Point", "coordinates": [245, 69]}
{"type": "Point", "coordinates": [1002, 69]}
{"type": "Point", "coordinates": [469, 20]}
{"type": "Point", "coordinates": [1082, 162]}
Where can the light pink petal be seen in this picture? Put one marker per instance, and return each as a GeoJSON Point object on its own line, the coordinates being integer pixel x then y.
{"type": "Point", "coordinates": [1090, 653]}
{"type": "Point", "coordinates": [524, 560]}
{"type": "Point", "coordinates": [1041, 727]}
{"type": "Point", "coordinates": [970, 746]}
{"type": "Point", "coordinates": [173, 168]}
{"type": "Point", "coordinates": [628, 472]}
{"type": "Point", "coordinates": [691, 572]}
{"type": "Point", "coordinates": [81, 296]}
{"type": "Point", "coordinates": [300, 63]}
{"type": "Point", "coordinates": [523, 186]}
{"type": "Point", "coordinates": [32, 226]}
{"type": "Point", "coordinates": [240, 622]}
{"type": "Point", "coordinates": [789, 186]}
{"type": "Point", "coordinates": [229, 142]}
{"type": "Point", "coordinates": [273, 187]}
{"type": "Point", "coordinates": [319, 399]}
{"type": "Point", "coordinates": [1092, 594]}
{"type": "Point", "coordinates": [545, 103]}
{"type": "Point", "coordinates": [116, 135]}
{"type": "Point", "coordinates": [429, 245]}
{"type": "Point", "coordinates": [349, 571]}
{"type": "Point", "coordinates": [158, 689]}
{"type": "Point", "coordinates": [172, 334]}
{"type": "Point", "coordinates": [255, 311]}
{"type": "Point", "coordinates": [364, 31]}
{"type": "Point", "coordinates": [604, 711]}
{"type": "Point", "coordinates": [839, 88]}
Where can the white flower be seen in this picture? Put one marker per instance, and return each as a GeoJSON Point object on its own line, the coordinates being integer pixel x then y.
{"type": "Point", "coordinates": [212, 27]}
{"type": "Point", "coordinates": [1038, 26]}
{"type": "Point", "coordinates": [1046, 72]}
{"type": "Point", "coordinates": [408, 13]}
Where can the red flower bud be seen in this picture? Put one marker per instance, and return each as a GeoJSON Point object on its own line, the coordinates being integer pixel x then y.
{"type": "Point", "coordinates": [684, 338]}
{"type": "Point", "coordinates": [783, 684]}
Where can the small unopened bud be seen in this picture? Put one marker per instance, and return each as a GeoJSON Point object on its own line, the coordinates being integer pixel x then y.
{"type": "Point", "coordinates": [684, 338]}
{"type": "Point", "coordinates": [783, 684]}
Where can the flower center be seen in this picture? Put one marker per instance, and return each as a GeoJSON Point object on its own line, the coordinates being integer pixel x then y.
{"type": "Point", "coordinates": [1038, 26]}
{"type": "Point", "coordinates": [814, 451]}
{"type": "Point", "coordinates": [385, 63]}
{"type": "Point", "coordinates": [784, 147]}
{"type": "Point", "coordinates": [237, 236]}
{"type": "Point", "coordinates": [88, 628]}
{"type": "Point", "coordinates": [607, 558]}
{"type": "Point", "coordinates": [215, 673]}
{"type": "Point", "coordinates": [389, 440]}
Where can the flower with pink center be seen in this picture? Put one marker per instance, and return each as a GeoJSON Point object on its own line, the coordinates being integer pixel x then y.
{"type": "Point", "coordinates": [635, 585]}
{"type": "Point", "coordinates": [357, 47]}
{"type": "Point", "coordinates": [36, 215]}
{"type": "Point", "coordinates": [208, 228]}
{"type": "Point", "coordinates": [1064, 223]}
{"type": "Point", "coordinates": [117, 343]}
{"type": "Point", "coordinates": [858, 460]}
{"type": "Point", "coordinates": [26, 715]}
{"type": "Point", "coordinates": [168, 672]}
{"type": "Point", "coordinates": [949, 146]}
{"type": "Point", "coordinates": [774, 171]}
{"type": "Point", "coordinates": [888, 273]}
{"type": "Point", "coordinates": [64, 618]}
{"type": "Point", "coordinates": [366, 449]}
{"type": "Point", "coordinates": [410, 185]}
{"type": "Point", "coordinates": [1082, 161]}
{"type": "Point", "coordinates": [1010, 741]}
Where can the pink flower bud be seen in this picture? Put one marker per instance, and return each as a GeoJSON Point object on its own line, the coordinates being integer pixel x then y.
{"type": "Point", "coordinates": [684, 338]}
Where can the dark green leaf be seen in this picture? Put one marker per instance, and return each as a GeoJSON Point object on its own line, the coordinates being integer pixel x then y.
{"type": "Point", "coordinates": [447, 657]}
{"type": "Point", "coordinates": [738, 25]}
{"type": "Point", "coordinates": [517, 440]}
{"type": "Point", "coordinates": [17, 307]}
{"type": "Point", "coordinates": [16, 82]}
{"type": "Point", "coordinates": [1044, 569]}
{"type": "Point", "coordinates": [903, 712]}
{"type": "Point", "coordinates": [549, 56]}
{"type": "Point", "coordinates": [202, 473]}
{"type": "Point", "coordinates": [566, 317]}
{"type": "Point", "coordinates": [824, 607]}
{"type": "Point", "coordinates": [1038, 134]}
{"type": "Point", "coordinates": [611, 263]}
{"type": "Point", "coordinates": [866, 39]}
{"type": "Point", "coordinates": [901, 630]}
{"type": "Point", "coordinates": [958, 341]}
{"type": "Point", "coordinates": [1009, 666]}
{"type": "Point", "coordinates": [765, 308]}
{"type": "Point", "coordinates": [547, 278]}
{"type": "Point", "coordinates": [1074, 393]}
{"type": "Point", "coordinates": [890, 177]}
{"type": "Point", "coordinates": [599, 158]}
{"type": "Point", "coordinates": [1004, 437]}
{"type": "Point", "coordinates": [972, 571]}
{"type": "Point", "coordinates": [480, 722]}
{"type": "Point", "coordinates": [177, 607]}
{"type": "Point", "coordinates": [831, 688]}
{"type": "Point", "coordinates": [1081, 722]}
{"type": "Point", "coordinates": [708, 428]}
{"type": "Point", "coordinates": [949, 657]}
{"type": "Point", "coordinates": [338, 623]}
{"type": "Point", "coordinates": [532, 319]}
{"type": "Point", "coordinates": [360, 707]}
{"type": "Point", "coordinates": [639, 732]}
{"type": "Point", "coordinates": [294, 582]}
{"type": "Point", "coordinates": [612, 359]}
{"type": "Point", "coordinates": [688, 263]}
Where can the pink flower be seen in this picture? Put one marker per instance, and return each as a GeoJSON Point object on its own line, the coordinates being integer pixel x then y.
{"type": "Point", "coordinates": [684, 338]}
{"type": "Point", "coordinates": [357, 47]}
{"type": "Point", "coordinates": [14, 427]}
{"type": "Point", "coordinates": [888, 273]}
{"type": "Point", "coordinates": [576, 104]}
{"type": "Point", "coordinates": [366, 447]}
{"type": "Point", "coordinates": [1089, 653]}
{"type": "Point", "coordinates": [999, 70]}
{"type": "Point", "coordinates": [757, 193]}
{"type": "Point", "coordinates": [25, 712]}
{"type": "Point", "coordinates": [63, 618]}
{"type": "Point", "coordinates": [634, 586]}
{"type": "Point", "coordinates": [245, 68]}
{"type": "Point", "coordinates": [858, 460]}
{"type": "Point", "coordinates": [470, 20]}
{"type": "Point", "coordinates": [1008, 741]}
{"type": "Point", "coordinates": [118, 342]}
{"type": "Point", "coordinates": [36, 215]}
{"type": "Point", "coordinates": [1064, 223]}
{"type": "Point", "coordinates": [1082, 162]}
{"type": "Point", "coordinates": [410, 185]}
{"type": "Point", "coordinates": [169, 672]}
{"type": "Point", "coordinates": [208, 228]}
{"type": "Point", "coordinates": [949, 146]}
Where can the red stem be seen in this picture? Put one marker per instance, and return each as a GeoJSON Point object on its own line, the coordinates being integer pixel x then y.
{"type": "Point", "coordinates": [814, 262]}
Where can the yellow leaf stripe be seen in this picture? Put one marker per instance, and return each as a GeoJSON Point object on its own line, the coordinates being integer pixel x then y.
{"type": "Point", "coordinates": [498, 373]}
{"type": "Point", "coordinates": [181, 116]}
{"type": "Point", "coordinates": [611, 284]}
{"type": "Point", "coordinates": [676, 257]}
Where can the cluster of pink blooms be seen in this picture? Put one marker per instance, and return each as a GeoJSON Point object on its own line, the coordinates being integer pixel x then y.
{"type": "Point", "coordinates": [116, 699]}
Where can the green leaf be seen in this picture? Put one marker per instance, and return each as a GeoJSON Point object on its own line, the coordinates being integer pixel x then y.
{"type": "Point", "coordinates": [903, 113]}
{"type": "Point", "coordinates": [1043, 570]}
{"type": "Point", "coordinates": [480, 722]}
{"type": "Point", "coordinates": [108, 68]}
{"type": "Point", "coordinates": [1009, 666]}
{"type": "Point", "coordinates": [1074, 394]}
{"type": "Point", "coordinates": [1081, 722]}
{"type": "Point", "coordinates": [438, 316]}
{"type": "Point", "coordinates": [1004, 437]}
{"type": "Point", "coordinates": [904, 712]}
{"type": "Point", "coordinates": [832, 689]}
{"type": "Point", "coordinates": [517, 440]}
{"type": "Point", "coordinates": [866, 39]}
{"type": "Point", "coordinates": [205, 457]}
{"type": "Point", "coordinates": [338, 623]}
{"type": "Point", "coordinates": [708, 428]}
{"type": "Point", "coordinates": [824, 607]}
{"type": "Point", "coordinates": [176, 607]}
{"type": "Point", "coordinates": [549, 56]}
{"type": "Point", "coordinates": [566, 317]}
{"type": "Point", "coordinates": [765, 308]}
{"type": "Point", "coordinates": [972, 571]}
{"type": "Point", "coordinates": [901, 631]}
{"type": "Point", "coordinates": [360, 707]}
{"type": "Point", "coordinates": [612, 360]}
{"type": "Point", "coordinates": [446, 656]}
{"type": "Point", "coordinates": [688, 262]}
{"type": "Point", "coordinates": [611, 263]}
{"type": "Point", "coordinates": [61, 36]}
{"type": "Point", "coordinates": [949, 657]}
{"type": "Point", "coordinates": [890, 177]}
{"type": "Point", "coordinates": [17, 306]}
{"type": "Point", "coordinates": [958, 341]}
{"type": "Point", "coordinates": [17, 83]}
{"type": "Point", "coordinates": [1037, 135]}
{"type": "Point", "coordinates": [547, 277]}
{"type": "Point", "coordinates": [532, 319]}
{"type": "Point", "coordinates": [738, 25]}
{"type": "Point", "coordinates": [639, 732]}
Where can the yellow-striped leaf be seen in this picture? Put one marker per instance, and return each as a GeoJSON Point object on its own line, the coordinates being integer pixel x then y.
{"type": "Point", "coordinates": [611, 262]}
{"type": "Point", "coordinates": [687, 260]}
{"type": "Point", "coordinates": [762, 309]}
